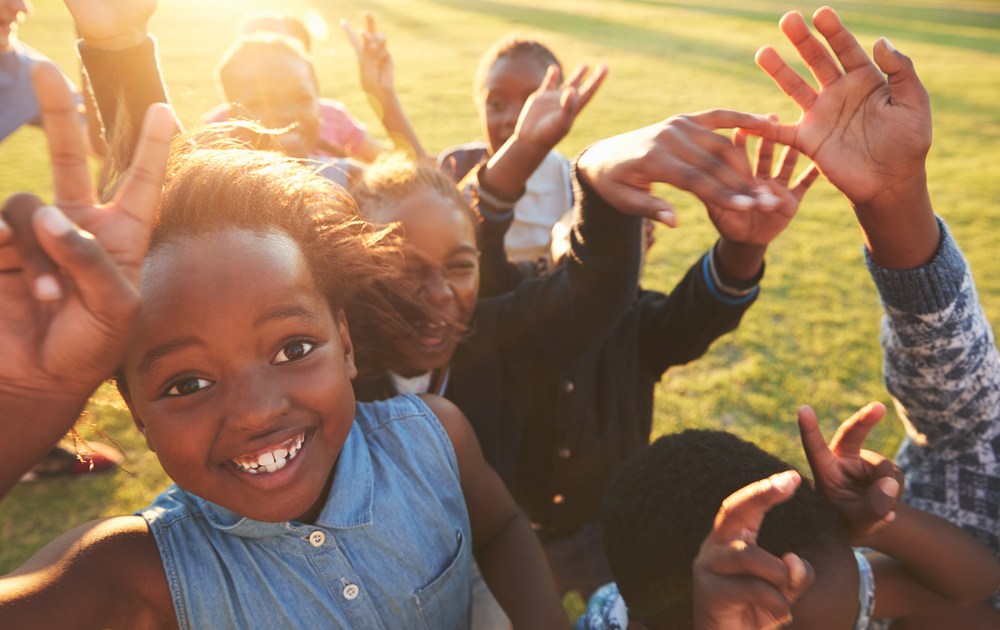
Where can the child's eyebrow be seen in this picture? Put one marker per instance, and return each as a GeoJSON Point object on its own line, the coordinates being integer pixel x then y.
{"type": "Point", "coordinates": [287, 312]}
{"type": "Point", "coordinates": [463, 249]}
{"type": "Point", "coordinates": [158, 352]}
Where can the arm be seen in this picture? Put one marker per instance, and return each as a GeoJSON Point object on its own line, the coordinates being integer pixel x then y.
{"type": "Point", "coordinates": [61, 337]}
{"type": "Point", "coordinates": [720, 287]}
{"type": "Point", "coordinates": [508, 552]}
{"type": "Point", "coordinates": [736, 583]}
{"type": "Point", "coordinates": [119, 60]}
{"type": "Point", "coordinates": [545, 119]}
{"type": "Point", "coordinates": [868, 129]}
{"type": "Point", "coordinates": [376, 69]}
{"type": "Point", "coordinates": [929, 564]}
{"type": "Point", "coordinates": [559, 317]}
{"type": "Point", "coordinates": [103, 574]}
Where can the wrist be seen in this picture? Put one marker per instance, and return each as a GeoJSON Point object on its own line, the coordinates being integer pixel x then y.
{"type": "Point", "coordinates": [741, 262]}
{"type": "Point", "coordinates": [117, 41]}
{"type": "Point", "coordinates": [900, 230]}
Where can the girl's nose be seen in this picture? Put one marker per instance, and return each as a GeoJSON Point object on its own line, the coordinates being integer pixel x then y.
{"type": "Point", "coordinates": [437, 291]}
{"type": "Point", "coordinates": [254, 400]}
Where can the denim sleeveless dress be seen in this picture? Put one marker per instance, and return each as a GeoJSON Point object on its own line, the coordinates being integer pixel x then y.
{"type": "Point", "coordinates": [391, 548]}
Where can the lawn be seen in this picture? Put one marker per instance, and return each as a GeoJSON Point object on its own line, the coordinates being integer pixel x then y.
{"type": "Point", "coordinates": [813, 335]}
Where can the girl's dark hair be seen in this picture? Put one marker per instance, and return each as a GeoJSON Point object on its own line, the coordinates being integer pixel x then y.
{"type": "Point", "coordinates": [514, 45]}
{"type": "Point", "coordinates": [358, 266]}
{"type": "Point", "coordinates": [253, 49]}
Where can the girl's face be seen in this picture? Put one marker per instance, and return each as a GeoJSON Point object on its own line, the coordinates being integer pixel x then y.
{"type": "Point", "coordinates": [278, 92]}
{"type": "Point", "coordinates": [239, 375]}
{"type": "Point", "coordinates": [442, 259]}
{"type": "Point", "coordinates": [508, 85]}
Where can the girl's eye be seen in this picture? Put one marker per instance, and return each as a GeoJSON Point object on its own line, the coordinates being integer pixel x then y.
{"type": "Point", "coordinates": [462, 267]}
{"type": "Point", "coordinates": [188, 386]}
{"type": "Point", "coordinates": [294, 351]}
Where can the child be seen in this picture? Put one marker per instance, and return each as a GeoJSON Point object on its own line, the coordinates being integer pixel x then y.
{"type": "Point", "coordinates": [941, 363]}
{"type": "Point", "coordinates": [606, 412]}
{"type": "Point", "coordinates": [510, 72]}
{"type": "Point", "coordinates": [922, 562]}
{"type": "Point", "coordinates": [289, 503]}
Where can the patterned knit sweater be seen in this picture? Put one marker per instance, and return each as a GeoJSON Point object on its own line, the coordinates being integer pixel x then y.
{"type": "Point", "coordinates": [942, 368]}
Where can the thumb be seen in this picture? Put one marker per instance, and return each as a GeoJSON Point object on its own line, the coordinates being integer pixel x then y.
{"type": "Point", "coordinates": [904, 83]}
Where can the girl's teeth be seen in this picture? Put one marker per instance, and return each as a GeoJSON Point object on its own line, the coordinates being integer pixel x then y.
{"type": "Point", "coordinates": [273, 460]}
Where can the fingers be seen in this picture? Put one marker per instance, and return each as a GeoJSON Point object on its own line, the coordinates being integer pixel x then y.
{"type": "Point", "coordinates": [817, 451]}
{"type": "Point", "coordinates": [903, 80]}
{"type": "Point", "coordinates": [743, 511]}
{"type": "Point", "coordinates": [551, 80]}
{"type": "Point", "coordinates": [851, 434]}
{"type": "Point", "coordinates": [40, 270]}
{"type": "Point", "coordinates": [351, 36]}
{"type": "Point", "coordinates": [765, 158]}
{"type": "Point", "coordinates": [852, 57]}
{"type": "Point", "coordinates": [804, 181]}
{"type": "Point", "coordinates": [788, 80]}
{"type": "Point", "coordinates": [810, 48]}
{"type": "Point", "coordinates": [64, 132]}
{"type": "Point", "coordinates": [370, 29]}
{"type": "Point", "coordinates": [140, 191]}
{"type": "Point", "coordinates": [97, 281]}
{"type": "Point", "coordinates": [590, 87]}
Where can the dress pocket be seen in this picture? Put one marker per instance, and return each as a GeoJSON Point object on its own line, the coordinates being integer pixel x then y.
{"type": "Point", "coordinates": [445, 601]}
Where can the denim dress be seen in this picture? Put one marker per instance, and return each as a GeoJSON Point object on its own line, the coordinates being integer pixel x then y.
{"type": "Point", "coordinates": [391, 548]}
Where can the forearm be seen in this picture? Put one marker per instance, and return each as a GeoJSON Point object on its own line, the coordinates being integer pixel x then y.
{"type": "Point", "coordinates": [508, 170]}
{"type": "Point", "coordinates": [124, 83]}
{"type": "Point", "coordinates": [938, 554]}
{"type": "Point", "coordinates": [514, 566]}
{"type": "Point", "coordinates": [900, 229]}
{"type": "Point", "coordinates": [940, 357]}
{"type": "Point", "coordinates": [397, 125]}
{"type": "Point", "coordinates": [39, 422]}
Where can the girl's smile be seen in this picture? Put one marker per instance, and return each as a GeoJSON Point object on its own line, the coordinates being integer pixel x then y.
{"type": "Point", "coordinates": [239, 374]}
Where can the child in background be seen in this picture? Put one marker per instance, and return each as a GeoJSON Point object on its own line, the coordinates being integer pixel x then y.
{"type": "Point", "coordinates": [663, 503]}
{"type": "Point", "coordinates": [293, 505]}
{"type": "Point", "coordinates": [256, 90]}
{"type": "Point", "coordinates": [508, 74]}
{"type": "Point", "coordinates": [600, 410]}
{"type": "Point", "coordinates": [940, 358]}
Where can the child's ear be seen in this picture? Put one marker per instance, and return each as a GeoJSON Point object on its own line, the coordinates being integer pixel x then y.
{"type": "Point", "coordinates": [346, 344]}
{"type": "Point", "coordinates": [139, 424]}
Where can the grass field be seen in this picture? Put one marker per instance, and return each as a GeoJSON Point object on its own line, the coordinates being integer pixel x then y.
{"type": "Point", "coordinates": [813, 335]}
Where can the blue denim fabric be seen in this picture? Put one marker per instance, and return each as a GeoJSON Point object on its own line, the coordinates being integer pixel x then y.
{"type": "Point", "coordinates": [391, 548]}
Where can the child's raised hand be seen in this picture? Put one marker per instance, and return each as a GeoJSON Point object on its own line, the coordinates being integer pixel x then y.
{"type": "Point", "coordinates": [682, 151]}
{"type": "Point", "coordinates": [549, 113]}
{"type": "Point", "coordinates": [868, 128]}
{"type": "Point", "coordinates": [761, 225]}
{"type": "Point", "coordinates": [374, 62]}
{"type": "Point", "coordinates": [738, 585]}
{"type": "Point", "coordinates": [112, 24]}
{"type": "Point", "coordinates": [68, 277]}
{"type": "Point", "coordinates": [862, 485]}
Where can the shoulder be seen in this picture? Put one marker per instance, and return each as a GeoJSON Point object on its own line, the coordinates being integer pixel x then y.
{"type": "Point", "coordinates": [105, 569]}
{"type": "Point", "coordinates": [457, 161]}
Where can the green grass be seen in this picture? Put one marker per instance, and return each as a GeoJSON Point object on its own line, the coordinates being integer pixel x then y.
{"type": "Point", "coordinates": [813, 335]}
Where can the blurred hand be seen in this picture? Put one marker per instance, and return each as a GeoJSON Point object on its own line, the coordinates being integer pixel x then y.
{"type": "Point", "coordinates": [68, 277]}
{"type": "Point", "coordinates": [761, 225]}
{"type": "Point", "coordinates": [374, 62]}
{"type": "Point", "coordinates": [682, 151]}
{"type": "Point", "coordinates": [862, 485]}
{"type": "Point", "coordinates": [548, 114]}
{"type": "Point", "coordinates": [111, 24]}
{"type": "Point", "coordinates": [738, 585]}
